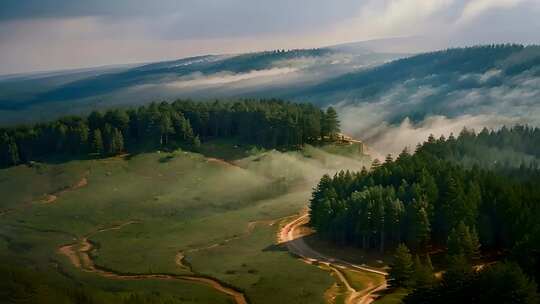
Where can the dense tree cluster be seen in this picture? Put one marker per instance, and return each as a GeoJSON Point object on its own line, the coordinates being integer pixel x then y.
{"type": "Point", "coordinates": [429, 199]}
{"type": "Point", "coordinates": [411, 273]}
{"type": "Point", "coordinates": [266, 123]}
{"type": "Point", "coordinates": [503, 148]}
{"type": "Point", "coordinates": [500, 283]}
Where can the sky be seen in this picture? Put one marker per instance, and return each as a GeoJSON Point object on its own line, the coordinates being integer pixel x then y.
{"type": "Point", "coordinates": [39, 35]}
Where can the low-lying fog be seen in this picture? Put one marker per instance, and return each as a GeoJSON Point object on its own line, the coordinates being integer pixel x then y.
{"type": "Point", "coordinates": [407, 114]}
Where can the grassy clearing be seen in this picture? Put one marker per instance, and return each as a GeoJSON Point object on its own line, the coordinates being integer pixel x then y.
{"type": "Point", "coordinates": [361, 280]}
{"type": "Point", "coordinates": [337, 293]}
{"type": "Point", "coordinates": [217, 214]}
{"type": "Point", "coordinates": [33, 250]}
{"type": "Point", "coordinates": [395, 296]}
{"type": "Point", "coordinates": [24, 184]}
{"type": "Point", "coordinates": [266, 272]}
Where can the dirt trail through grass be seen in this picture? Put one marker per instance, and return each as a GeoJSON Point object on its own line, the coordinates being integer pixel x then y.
{"type": "Point", "coordinates": [250, 227]}
{"type": "Point", "coordinates": [79, 255]}
{"type": "Point", "coordinates": [290, 236]}
{"type": "Point", "coordinates": [52, 197]}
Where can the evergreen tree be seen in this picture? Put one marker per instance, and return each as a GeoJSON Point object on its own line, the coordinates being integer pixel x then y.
{"type": "Point", "coordinates": [165, 129]}
{"type": "Point", "coordinates": [458, 273]}
{"type": "Point", "coordinates": [404, 154]}
{"type": "Point", "coordinates": [375, 164]}
{"type": "Point", "coordinates": [196, 142]}
{"type": "Point", "coordinates": [118, 119]}
{"type": "Point", "coordinates": [117, 142]}
{"type": "Point", "coordinates": [402, 268]}
{"type": "Point", "coordinates": [330, 127]}
{"type": "Point", "coordinates": [423, 274]}
{"type": "Point", "coordinates": [12, 154]}
{"type": "Point", "coordinates": [419, 227]}
{"type": "Point", "coordinates": [473, 251]}
{"type": "Point", "coordinates": [9, 152]}
{"type": "Point", "coordinates": [506, 283]}
{"type": "Point", "coordinates": [463, 241]}
{"type": "Point", "coordinates": [429, 265]}
{"type": "Point", "coordinates": [95, 120]}
{"type": "Point", "coordinates": [97, 142]}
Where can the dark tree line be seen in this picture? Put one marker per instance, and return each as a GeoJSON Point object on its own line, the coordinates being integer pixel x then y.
{"type": "Point", "coordinates": [265, 123]}
{"type": "Point", "coordinates": [504, 283]}
{"type": "Point", "coordinates": [504, 148]}
{"type": "Point", "coordinates": [429, 199]}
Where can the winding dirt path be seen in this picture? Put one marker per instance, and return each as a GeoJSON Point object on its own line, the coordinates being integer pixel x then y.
{"type": "Point", "coordinates": [48, 198]}
{"type": "Point", "coordinates": [52, 197]}
{"type": "Point", "coordinates": [293, 238]}
{"type": "Point", "coordinates": [79, 255]}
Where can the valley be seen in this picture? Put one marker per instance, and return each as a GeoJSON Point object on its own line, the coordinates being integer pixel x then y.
{"type": "Point", "coordinates": [138, 220]}
{"type": "Point", "coordinates": [269, 152]}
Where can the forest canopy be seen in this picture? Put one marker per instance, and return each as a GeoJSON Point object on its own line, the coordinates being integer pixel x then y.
{"type": "Point", "coordinates": [183, 123]}
{"type": "Point", "coordinates": [430, 199]}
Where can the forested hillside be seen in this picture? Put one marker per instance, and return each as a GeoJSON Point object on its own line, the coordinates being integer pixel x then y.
{"type": "Point", "coordinates": [428, 200]}
{"type": "Point", "coordinates": [205, 65]}
{"type": "Point", "coordinates": [449, 70]}
{"type": "Point", "coordinates": [269, 74]}
{"type": "Point", "coordinates": [183, 123]}
{"type": "Point", "coordinates": [498, 83]}
{"type": "Point", "coordinates": [460, 60]}
{"type": "Point", "coordinates": [514, 147]}
{"type": "Point", "coordinates": [478, 86]}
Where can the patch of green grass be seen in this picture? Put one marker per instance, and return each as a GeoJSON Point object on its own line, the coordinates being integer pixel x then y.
{"type": "Point", "coordinates": [26, 184]}
{"type": "Point", "coordinates": [267, 273]}
{"type": "Point", "coordinates": [217, 213]}
{"type": "Point", "coordinates": [349, 253]}
{"type": "Point", "coordinates": [41, 257]}
{"type": "Point", "coordinates": [361, 280]}
{"type": "Point", "coordinates": [228, 149]}
{"type": "Point", "coordinates": [394, 296]}
{"type": "Point", "coordinates": [340, 299]}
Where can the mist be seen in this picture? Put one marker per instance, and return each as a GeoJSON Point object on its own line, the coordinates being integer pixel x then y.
{"type": "Point", "coordinates": [410, 111]}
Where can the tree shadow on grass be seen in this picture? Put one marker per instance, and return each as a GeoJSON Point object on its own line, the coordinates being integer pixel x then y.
{"type": "Point", "coordinates": [276, 248]}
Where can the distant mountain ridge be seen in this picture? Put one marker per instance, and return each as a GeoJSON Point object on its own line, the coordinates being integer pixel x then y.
{"type": "Point", "coordinates": [450, 82]}
{"type": "Point", "coordinates": [260, 74]}
{"type": "Point", "coordinates": [387, 87]}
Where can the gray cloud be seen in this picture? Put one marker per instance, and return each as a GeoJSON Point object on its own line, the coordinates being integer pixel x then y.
{"type": "Point", "coordinates": [52, 34]}
{"type": "Point", "coordinates": [194, 19]}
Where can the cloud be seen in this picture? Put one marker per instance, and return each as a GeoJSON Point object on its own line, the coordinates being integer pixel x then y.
{"type": "Point", "coordinates": [197, 79]}
{"type": "Point", "coordinates": [188, 19]}
{"type": "Point", "coordinates": [392, 139]}
{"type": "Point", "coordinates": [390, 18]}
{"type": "Point", "coordinates": [476, 8]}
{"type": "Point", "coordinates": [407, 113]}
{"type": "Point", "coordinates": [54, 34]}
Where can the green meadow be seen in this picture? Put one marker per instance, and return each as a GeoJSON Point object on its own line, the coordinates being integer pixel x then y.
{"type": "Point", "coordinates": [220, 216]}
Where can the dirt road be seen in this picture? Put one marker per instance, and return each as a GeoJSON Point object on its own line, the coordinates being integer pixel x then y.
{"type": "Point", "coordinates": [293, 238]}
{"type": "Point", "coordinates": [79, 255]}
